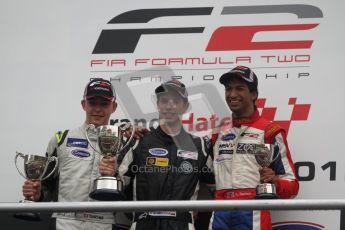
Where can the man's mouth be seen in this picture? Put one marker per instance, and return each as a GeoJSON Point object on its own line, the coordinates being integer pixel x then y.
{"type": "Point", "coordinates": [97, 116]}
{"type": "Point", "coordinates": [169, 114]}
{"type": "Point", "coordinates": [234, 102]}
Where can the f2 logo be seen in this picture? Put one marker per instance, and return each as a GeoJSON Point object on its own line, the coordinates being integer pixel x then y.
{"type": "Point", "coordinates": [126, 40]}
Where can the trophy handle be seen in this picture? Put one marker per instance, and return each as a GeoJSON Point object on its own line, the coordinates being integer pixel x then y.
{"type": "Point", "coordinates": [126, 126]}
{"type": "Point", "coordinates": [50, 159]}
{"type": "Point", "coordinates": [18, 154]}
{"type": "Point", "coordinates": [88, 139]}
{"type": "Point", "coordinates": [271, 156]}
{"type": "Point", "coordinates": [272, 149]}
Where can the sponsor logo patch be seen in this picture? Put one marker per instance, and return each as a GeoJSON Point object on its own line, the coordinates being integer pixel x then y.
{"type": "Point", "coordinates": [187, 154]}
{"type": "Point", "coordinates": [80, 153]}
{"type": "Point", "coordinates": [226, 151]}
{"type": "Point", "coordinates": [157, 161]}
{"type": "Point", "coordinates": [158, 152]}
{"type": "Point", "coordinates": [163, 213]}
{"type": "Point", "coordinates": [223, 157]}
{"type": "Point", "coordinates": [245, 148]}
{"type": "Point", "coordinates": [77, 142]}
{"type": "Point", "coordinates": [228, 137]}
{"type": "Point", "coordinates": [185, 167]}
{"type": "Point", "coordinates": [250, 135]}
{"type": "Point", "coordinates": [226, 146]}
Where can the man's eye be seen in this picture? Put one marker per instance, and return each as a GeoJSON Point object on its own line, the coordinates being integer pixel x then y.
{"type": "Point", "coordinates": [104, 104]}
{"type": "Point", "coordinates": [92, 103]}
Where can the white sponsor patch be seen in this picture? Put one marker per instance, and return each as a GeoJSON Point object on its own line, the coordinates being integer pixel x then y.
{"type": "Point", "coordinates": [223, 157]}
{"type": "Point", "coordinates": [163, 213]}
{"type": "Point", "coordinates": [187, 154]}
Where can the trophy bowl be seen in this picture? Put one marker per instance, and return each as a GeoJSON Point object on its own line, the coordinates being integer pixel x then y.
{"type": "Point", "coordinates": [264, 157]}
{"type": "Point", "coordinates": [35, 169]}
{"type": "Point", "coordinates": [111, 141]}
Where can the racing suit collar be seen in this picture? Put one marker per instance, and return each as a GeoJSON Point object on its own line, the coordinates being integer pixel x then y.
{"type": "Point", "coordinates": [237, 122]}
{"type": "Point", "coordinates": [165, 135]}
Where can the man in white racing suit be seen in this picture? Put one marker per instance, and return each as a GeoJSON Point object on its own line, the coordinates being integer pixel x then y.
{"type": "Point", "coordinates": [79, 165]}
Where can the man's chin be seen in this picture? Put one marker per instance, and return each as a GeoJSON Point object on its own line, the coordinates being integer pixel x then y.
{"type": "Point", "coordinates": [234, 108]}
{"type": "Point", "coordinates": [97, 122]}
{"type": "Point", "coordinates": [168, 121]}
{"type": "Point", "coordinates": [236, 111]}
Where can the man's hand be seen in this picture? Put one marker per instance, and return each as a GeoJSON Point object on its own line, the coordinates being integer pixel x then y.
{"type": "Point", "coordinates": [139, 132]}
{"type": "Point", "coordinates": [107, 166]}
{"type": "Point", "coordinates": [32, 190]}
{"type": "Point", "coordinates": [267, 175]}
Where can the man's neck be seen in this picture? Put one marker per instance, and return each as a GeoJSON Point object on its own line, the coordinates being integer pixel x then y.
{"type": "Point", "coordinates": [88, 123]}
{"type": "Point", "coordinates": [247, 114]}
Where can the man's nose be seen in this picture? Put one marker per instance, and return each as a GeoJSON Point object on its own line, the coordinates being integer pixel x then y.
{"type": "Point", "coordinates": [171, 104]}
{"type": "Point", "coordinates": [97, 106]}
{"type": "Point", "coordinates": [232, 93]}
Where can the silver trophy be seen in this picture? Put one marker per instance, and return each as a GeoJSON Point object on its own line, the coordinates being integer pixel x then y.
{"type": "Point", "coordinates": [264, 157]}
{"type": "Point", "coordinates": [35, 168]}
{"type": "Point", "coordinates": [110, 140]}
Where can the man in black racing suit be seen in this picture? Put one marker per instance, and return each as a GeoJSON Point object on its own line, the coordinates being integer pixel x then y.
{"type": "Point", "coordinates": [167, 163]}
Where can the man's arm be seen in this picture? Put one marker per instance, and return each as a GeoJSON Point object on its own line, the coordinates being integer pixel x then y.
{"type": "Point", "coordinates": [50, 186]}
{"type": "Point", "coordinates": [284, 172]}
{"type": "Point", "coordinates": [127, 164]}
{"type": "Point", "coordinates": [207, 174]}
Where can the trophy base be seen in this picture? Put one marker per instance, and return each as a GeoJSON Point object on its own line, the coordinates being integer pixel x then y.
{"type": "Point", "coordinates": [266, 191]}
{"type": "Point", "coordinates": [28, 216]}
{"type": "Point", "coordinates": [107, 189]}
{"type": "Point", "coordinates": [106, 195]}
{"type": "Point", "coordinates": [266, 196]}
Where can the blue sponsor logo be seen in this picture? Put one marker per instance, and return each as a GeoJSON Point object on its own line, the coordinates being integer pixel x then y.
{"type": "Point", "coordinates": [77, 142]}
{"type": "Point", "coordinates": [80, 153]}
{"type": "Point", "coordinates": [296, 225]}
{"type": "Point", "coordinates": [228, 137]}
{"type": "Point", "coordinates": [158, 152]}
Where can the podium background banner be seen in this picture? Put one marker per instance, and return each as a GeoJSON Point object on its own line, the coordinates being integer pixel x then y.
{"type": "Point", "coordinates": [50, 50]}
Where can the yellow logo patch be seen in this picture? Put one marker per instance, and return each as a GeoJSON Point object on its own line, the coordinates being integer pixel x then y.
{"type": "Point", "coordinates": [157, 161]}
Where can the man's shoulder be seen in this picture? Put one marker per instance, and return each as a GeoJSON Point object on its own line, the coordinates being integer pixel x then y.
{"type": "Point", "coordinates": [261, 123]}
{"type": "Point", "coordinates": [60, 136]}
{"type": "Point", "coordinates": [149, 138]}
{"type": "Point", "coordinates": [201, 140]}
{"type": "Point", "coordinates": [153, 133]}
{"type": "Point", "coordinates": [271, 130]}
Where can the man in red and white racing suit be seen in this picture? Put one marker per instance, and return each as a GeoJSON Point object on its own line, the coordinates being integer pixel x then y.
{"type": "Point", "coordinates": [237, 172]}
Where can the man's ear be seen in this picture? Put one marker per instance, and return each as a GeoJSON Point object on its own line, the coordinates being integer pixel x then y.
{"type": "Point", "coordinates": [114, 106]}
{"type": "Point", "coordinates": [83, 103]}
{"type": "Point", "coordinates": [254, 95]}
{"type": "Point", "coordinates": [186, 106]}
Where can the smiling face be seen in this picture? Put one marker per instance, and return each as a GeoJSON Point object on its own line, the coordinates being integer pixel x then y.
{"type": "Point", "coordinates": [98, 110]}
{"type": "Point", "coordinates": [171, 106]}
{"type": "Point", "coordinates": [239, 98]}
